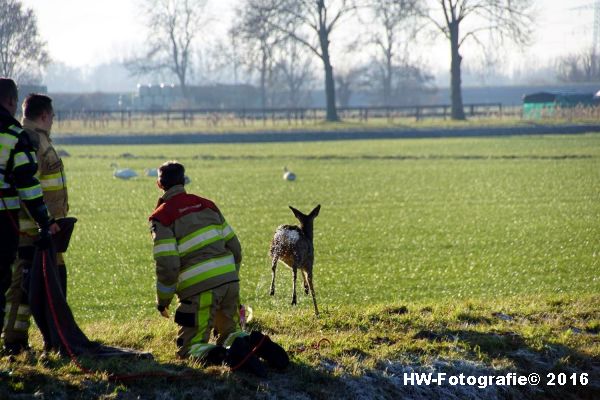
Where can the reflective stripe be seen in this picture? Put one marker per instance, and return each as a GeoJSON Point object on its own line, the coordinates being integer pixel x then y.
{"type": "Point", "coordinates": [15, 129]}
{"type": "Point", "coordinates": [165, 292]}
{"type": "Point", "coordinates": [201, 350]}
{"type": "Point", "coordinates": [21, 325]}
{"type": "Point", "coordinates": [24, 310]}
{"type": "Point", "coordinates": [205, 270]}
{"type": "Point", "coordinates": [165, 247]}
{"type": "Point", "coordinates": [199, 239]}
{"type": "Point", "coordinates": [8, 140]}
{"type": "Point", "coordinates": [23, 158]}
{"type": "Point", "coordinates": [53, 182]}
{"type": "Point", "coordinates": [229, 341]}
{"type": "Point", "coordinates": [9, 203]}
{"type": "Point", "coordinates": [27, 225]}
{"type": "Point", "coordinates": [205, 301]}
{"type": "Point", "coordinates": [227, 232]}
{"type": "Point", "coordinates": [30, 193]}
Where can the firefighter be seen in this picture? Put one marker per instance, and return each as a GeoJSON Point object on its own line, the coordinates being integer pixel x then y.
{"type": "Point", "coordinates": [17, 184]}
{"type": "Point", "coordinates": [198, 258]}
{"type": "Point", "coordinates": [38, 116]}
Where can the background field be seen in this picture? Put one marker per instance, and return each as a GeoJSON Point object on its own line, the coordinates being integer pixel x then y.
{"type": "Point", "coordinates": [455, 228]}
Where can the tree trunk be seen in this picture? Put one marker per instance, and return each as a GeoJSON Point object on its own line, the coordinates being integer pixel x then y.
{"type": "Point", "coordinates": [458, 112]}
{"type": "Point", "coordinates": [332, 115]}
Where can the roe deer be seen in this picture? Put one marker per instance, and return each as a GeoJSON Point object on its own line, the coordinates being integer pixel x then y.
{"type": "Point", "coordinates": [294, 246]}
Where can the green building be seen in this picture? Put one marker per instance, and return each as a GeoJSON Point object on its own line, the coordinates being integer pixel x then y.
{"type": "Point", "coordinates": [544, 104]}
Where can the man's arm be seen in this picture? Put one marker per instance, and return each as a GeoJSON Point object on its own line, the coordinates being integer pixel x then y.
{"type": "Point", "coordinates": [23, 173]}
{"type": "Point", "coordinates": [167, 263]}
{"type": "Point", "coordinates": [232, 243]}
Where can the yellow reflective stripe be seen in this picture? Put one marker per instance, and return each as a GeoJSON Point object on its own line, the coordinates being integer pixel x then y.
{"type": "Point", "coordinates": [23, 158]}
{"type": "Point", "coordinates": [229, 341]}
{"type": "Point", "coordinates": [205, 270]}
{"type": "Point", "coordinates": [9, 203]}
{"type": "Point", "coordinates": [53, 181]}
{"type": "Point", "coordinates": [8, 140]}
{"type": "Point", "coordinates": [201, 350]}
{"type": "Point", "coordinates": [15, 129]}
{"type": "Point", "coordinates": [199, 239]}
{"type": "Point", "coordinates": [30, 193]}
{"type": "Point", "coordinates": [205, 301]}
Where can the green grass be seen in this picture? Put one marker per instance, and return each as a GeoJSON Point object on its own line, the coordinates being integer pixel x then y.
{"type": "Point", "coordinates": [453, 229]}
{"type": "Point", "coordinates": [161, 126]}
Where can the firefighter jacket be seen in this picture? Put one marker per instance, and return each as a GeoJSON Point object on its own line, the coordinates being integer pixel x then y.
{"type": "Point", "coordinates": [52, 178]}
{"type": "Point", "coordinates": [195, 249]}
{"type": "Point", "coordinates": [18, 166]}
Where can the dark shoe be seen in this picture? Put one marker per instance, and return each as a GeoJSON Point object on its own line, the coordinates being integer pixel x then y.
{"type": "Point", "coordinates": [14, 349]}
{"type": "Point", "coordinates": [269, 351]}
{"type": "Point", "coordinates": [238, 357]}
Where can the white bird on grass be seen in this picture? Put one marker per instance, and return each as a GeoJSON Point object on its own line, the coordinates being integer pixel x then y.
{"type": "Point", "coordinates": [288, 175]}
{"type": "Point", "coordinates": [123, 173]}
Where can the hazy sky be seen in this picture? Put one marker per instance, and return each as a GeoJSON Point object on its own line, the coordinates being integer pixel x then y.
{"type": "Point", "coordinates": [84, 33]}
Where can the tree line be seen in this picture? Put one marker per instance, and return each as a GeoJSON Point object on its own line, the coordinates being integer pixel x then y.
{"type": "Point", "coordinates": [283, 43]}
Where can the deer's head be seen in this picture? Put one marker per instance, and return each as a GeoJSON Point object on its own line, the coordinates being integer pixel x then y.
{"type": "Point", "coordinates": [306, 221]}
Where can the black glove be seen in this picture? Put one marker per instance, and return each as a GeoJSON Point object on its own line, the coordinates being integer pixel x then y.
{"type": "Point", "coordinates": [45, 239]}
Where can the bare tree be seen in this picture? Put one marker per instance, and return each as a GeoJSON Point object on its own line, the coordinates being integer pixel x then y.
{"type": "Point", "coordinates": [396, 19]}
{"type": "Point", "coordinates": [311, 23]}
{"type": "Point", "coordinates": [293, 72]}
{"type": "Point", "coordinates": [348, 80]}
{"type": "Point", "coordinates": [22, 52]}
{"type": "Point", "coordinates": [582, 67]}
{"type": "Point", "coordinates": [173, 25]}
{"type": "Point", "coordinates": [463, 20]}
{"type": "Point", "coordinates": [260, 39]}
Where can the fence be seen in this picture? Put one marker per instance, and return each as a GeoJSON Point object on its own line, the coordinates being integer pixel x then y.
{"type": "Point", "coordinates": [291, 116]}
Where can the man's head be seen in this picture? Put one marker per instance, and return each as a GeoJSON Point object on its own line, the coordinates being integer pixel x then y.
{"type": "Point", "coordinates": [38, 108]}
{"type": "Point", "coordinates": [9, 95]}
{"type": "Point", "coordinates": [170, 174]}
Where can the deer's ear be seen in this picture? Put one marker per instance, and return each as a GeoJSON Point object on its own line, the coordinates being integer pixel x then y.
{"type": "Point", "coordinates": [297, 213]}
{"type": "Point", "coordinates": [315, 212]}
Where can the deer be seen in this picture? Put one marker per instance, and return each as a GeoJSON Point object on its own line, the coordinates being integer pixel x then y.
{"type": "Point", "coordinates": [293, 245]}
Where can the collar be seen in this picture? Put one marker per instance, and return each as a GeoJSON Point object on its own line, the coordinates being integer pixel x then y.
{"type": "Point", "coordinates": [4, 114]}
{"type": "Point", "coordinates": [175, 190]}
{"type": "Point", "coordinates": [32, 125]}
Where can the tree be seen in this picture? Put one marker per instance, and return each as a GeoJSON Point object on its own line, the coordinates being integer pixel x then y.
{"type": "Point", "coordinates": [174, 25]}
{"type": "Point", "coordinates": [311, 23]}
{"type": "Point", "coordinates": [463, 20]}
{"type": "Point", "coordinates": [393, 18]}
{"type": "Point", "coordinates": [260, 40]}
{"type": "Point", "coordinates": [582, 67]}
{"type": "Point", "coordinates": [22, 52]}
{"type": "Point", "coordinates": [293, 73]}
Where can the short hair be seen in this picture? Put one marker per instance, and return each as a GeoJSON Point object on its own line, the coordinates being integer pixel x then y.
{"type": "Point", "coordinates": [8, 90]}
{"type": "Point", "coordinates": [170, 174]}
{"type": "Point", "coordinates": [35, 104]}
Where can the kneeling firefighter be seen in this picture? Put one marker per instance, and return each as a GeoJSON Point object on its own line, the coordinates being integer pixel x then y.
{"type": "Point", "coordinates": [198, 258]}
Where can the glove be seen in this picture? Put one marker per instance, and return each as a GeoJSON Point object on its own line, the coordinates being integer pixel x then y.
{"type": "Point", "coordinates": [164, 311]}
{"type": "Point", "coordinates": [45, 239]}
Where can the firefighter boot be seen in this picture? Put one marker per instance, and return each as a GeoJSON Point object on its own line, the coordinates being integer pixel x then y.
{"type": "Point", "coordinates": [239, 357]}
{"type": "Point", "coordinates": [268, 350]}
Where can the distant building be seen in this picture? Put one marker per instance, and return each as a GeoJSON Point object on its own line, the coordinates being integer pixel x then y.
{"type": "Point", "coordinates": [537, 105]}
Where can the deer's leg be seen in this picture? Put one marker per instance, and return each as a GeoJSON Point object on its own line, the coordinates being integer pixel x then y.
{"type": "Point", "coordinates": [295, 272]}
{"type": "Point", "coordinates": [312, 291]}
{"type": "Point", "coordinates": [273, 268]}
{"type": "Point", "coordinates": [305, 278]}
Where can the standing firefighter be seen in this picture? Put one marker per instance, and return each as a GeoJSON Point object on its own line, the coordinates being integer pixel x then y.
{"type": "Point", "coordinates": [198, 258]}
{"type": "Point", "coordinates": [38, 118]}
{"type": "Point", "coordinates": [17, 184]}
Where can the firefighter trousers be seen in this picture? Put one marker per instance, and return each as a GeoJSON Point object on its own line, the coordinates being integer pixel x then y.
{"type": "Point", "coordinates": [18, 314]}
{"type": "Point", "coordinates": [199, 314]}
{"type": "Point", "coordinates": [9, 240]}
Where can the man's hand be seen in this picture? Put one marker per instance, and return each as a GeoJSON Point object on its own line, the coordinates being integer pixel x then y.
{"type": "Point", "coordinates": [164, 311]}
{"type": "Point", "coordinates": [45, 239]}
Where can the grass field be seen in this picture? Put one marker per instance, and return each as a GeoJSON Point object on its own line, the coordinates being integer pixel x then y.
{"type": "Point", "coordinates": [454, 230]}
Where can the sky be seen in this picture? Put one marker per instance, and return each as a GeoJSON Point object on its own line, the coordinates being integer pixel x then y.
{"type": "Point", "coordinates": [84, 33]}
